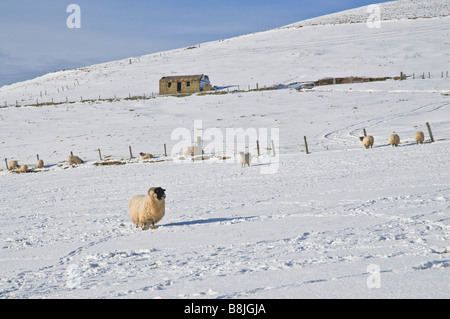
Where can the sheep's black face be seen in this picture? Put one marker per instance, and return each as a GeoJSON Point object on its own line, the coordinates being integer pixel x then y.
{"type": "Point", "coordinates": [160, 193]}
{"type": "Point", "coordinates": [361, 138]}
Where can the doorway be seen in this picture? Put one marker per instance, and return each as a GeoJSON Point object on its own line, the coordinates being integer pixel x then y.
{"type": "Point", "coordinates": [178, 86]}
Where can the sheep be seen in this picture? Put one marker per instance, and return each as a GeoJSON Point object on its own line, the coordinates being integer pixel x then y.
{"type": "Point", "coordinates": [74, 160]}
{"type": "Point", "coordinates": [394, 140]}
{"type": "Point", "coordinates": [40, 163]}
{"type": "Point", "coordinates": [367, 141]}
{"type": "Point", "coordinates": [145, 156]}
{"type": "Point", "coordinates": [12, 165]}
{"type": "Point", "coordinates": [192, 150]}
{"type": "Point", "coordinates": [147, 209]}
{"type": "Point", "coordinates": [419, 137]}
{"type": "Point", "coordinates": [245, 158]}
{"type": "Point", "coordinates": [22, 169]}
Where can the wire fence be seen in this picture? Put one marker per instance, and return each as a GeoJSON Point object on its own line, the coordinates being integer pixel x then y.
{"type": "Point", "coordinates": [45, 97]}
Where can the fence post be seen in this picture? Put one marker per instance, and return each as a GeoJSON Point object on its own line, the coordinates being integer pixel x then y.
{"type": "Point", "coordinates": [273, 149]}
{"type": "Point", "coordinates": [257, 146]}
{"type": "Point", "coordinates": [131, 154]}
{"type": "Point", "coordinates": [306, 146]}
{"type": "Point", "coordinates": [100, 155]}
{"type": "Point", "coordinates": [429, 132]}
{"type": "Point", "coordinates": [165, 150]}
{"type": "Point", "coordinates": [6, 161]}
{"type": "Point", "coordinates": [365, 133]}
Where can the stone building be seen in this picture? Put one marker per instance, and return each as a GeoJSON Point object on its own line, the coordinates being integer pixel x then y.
{"type": "Point", "coordinates": [184, 84]}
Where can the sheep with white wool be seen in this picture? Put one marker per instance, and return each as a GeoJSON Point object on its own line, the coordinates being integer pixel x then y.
{"type": "Point", "coordinates": [145, 156]}
{"type": "Point", "coordinates": [192, 150]}
{"type": "Point", "coordinates": [40, 163]}
{"type": "Point", "coordinates": [367, 141]}
{"type": "Point", "coordinates": [245, 158]}
{"type": "Point", "coordinates": [394, 140]}
{"type": "Point", "coordinates": [74, 160]}
{"type": "Point", "coordinates": [146, 210]}
{"type": "Point", "coordinates": [419, 137]}
{"type": "Point", "coordinates": [22, 169]}
{"type": "Point", "coordinates": [13, 165]}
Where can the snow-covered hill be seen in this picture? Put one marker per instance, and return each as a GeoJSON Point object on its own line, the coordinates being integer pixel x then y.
{"type": "Point", "coordinates": [282, 55]}
{"type": "Point", "coordinates": [392, 10]}
{"type": "Point", "coordinates": [341, 222]}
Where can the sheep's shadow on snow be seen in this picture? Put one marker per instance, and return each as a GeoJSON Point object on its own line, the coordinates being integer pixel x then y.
{"type": "Point", "coordinates": [209, 221]}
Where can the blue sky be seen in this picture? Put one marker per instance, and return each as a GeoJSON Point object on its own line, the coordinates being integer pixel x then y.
{"type": "Point", "coordinates": [35, 39]}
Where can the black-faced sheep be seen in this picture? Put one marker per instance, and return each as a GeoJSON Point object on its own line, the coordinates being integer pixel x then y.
{"type": "Point", "coordinates": [394, 140]}
{"type": "Point", "coordinates": [146, 210]}
{"type": "Point", "coordinates": [367, 141]}
{"type": "Point", "coordinates": [145, 156]}
{"type": "Point", "coordinates": [245, 158]}
{"type": "Point", "coordinates": [419, 137]}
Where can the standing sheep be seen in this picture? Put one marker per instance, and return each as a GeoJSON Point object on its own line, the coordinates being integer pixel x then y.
{"type": "Point", "coordinates": [74, 160]}
{"type": "Point", "coordinates": [147, 209]}
{"type": "Point", "coordinates": [394, 140]}
{"type": "Point", "coordinates": [245, 158]}
{"type": "Point", "coordinates": [419, 137]}
{"type": "Point", "coordinates": [40, 163]}
{"type": "Point", "coordinates": [367, 141]}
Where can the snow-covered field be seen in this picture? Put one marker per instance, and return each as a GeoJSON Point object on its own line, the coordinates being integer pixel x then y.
{"type": "Point", "coordinates": [341, 222]}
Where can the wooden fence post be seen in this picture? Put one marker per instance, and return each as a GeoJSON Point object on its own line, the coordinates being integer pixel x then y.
{"type": "Point", "coordinates": [365, 133]}
{"type": "Point", "coordinates": [257, 147]}
{"type": "Point", "coordinates": [131, 154]}
{"type": "Point", "coordinates": [306, 146]}
{"type": "Point", "coordinates": [6, 161]}
{"type": "Point", "coordinates": [429, 132]}
{"type": "Point", "coordinates": [273, 149]}
{"type": "Point", "coordinates": [165, 150]}
{"type": "Point", "coordinates": [100, 154]}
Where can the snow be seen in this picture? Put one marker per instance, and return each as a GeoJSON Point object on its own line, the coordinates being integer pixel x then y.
{"type": "Point", "coordinates": [341, 222]}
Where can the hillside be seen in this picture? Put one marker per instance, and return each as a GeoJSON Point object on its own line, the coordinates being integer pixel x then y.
{"type": "Point", "coordinates": [389, 11]}
{"type": "Point", "coordinates": [340, 222]}
{"type": "Point", "coordinates": [277, 56]}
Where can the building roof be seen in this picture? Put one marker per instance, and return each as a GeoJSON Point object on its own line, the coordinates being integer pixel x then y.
{"type": "Point", "coordinates": [196, 77]}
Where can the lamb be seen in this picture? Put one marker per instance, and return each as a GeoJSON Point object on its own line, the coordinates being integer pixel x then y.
{"type": "Point", "coordinates": [192, 150]}
{"type": "Point", "coordinates": [12, 165]}
{"type": "Point", "coordinates": [74, 160]}
{"type": "Point", "coordinates": [367, 141]}
{"type": "Point", "coordinates": [22, 169]}
{"type": "Point", "coordinates": [147, 209]}
{"type": "Point", "coordinates": [145, 156]}
{"type": "Point", "coordinates": [245, 158]}
{"type": "Point", "coordinates": [394, 140]}
{"type": "Point", "coordinates": [419, 137]}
